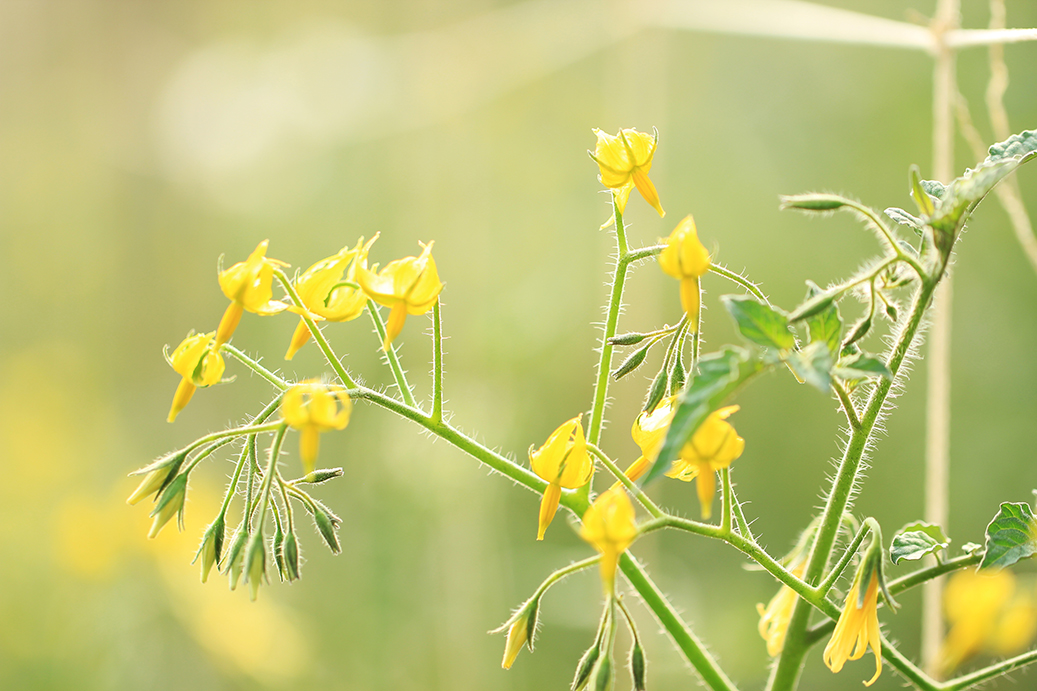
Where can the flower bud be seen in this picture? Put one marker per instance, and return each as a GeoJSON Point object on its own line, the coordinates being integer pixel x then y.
{"type": "Point", "coordinates": [235, 557]}
{"type": "Point", "coordinates": [327, 524]}
{"type": "Point", "coordinates": [170, 503]}
{"type": "Point", "coordinates": [290, 550]}
{"type": "Point", "coordinates": [212, 545]}
{"type": "Point", "coordinates": [255, 564]}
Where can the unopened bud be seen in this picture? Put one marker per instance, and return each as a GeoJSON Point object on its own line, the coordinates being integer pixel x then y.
{"type": "Point", "coordinates": [255, 564]}
{"type": "Point", "coordinates": [212, 545]}
{"type": "Point", "coordinates": [170, 503]}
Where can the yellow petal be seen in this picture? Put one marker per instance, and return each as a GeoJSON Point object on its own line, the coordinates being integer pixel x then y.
{"type": "Point", "coordinates": [647, 189]}
{"type": "Point", "coordinates": [548, 508]}
{"type": "Point", "coordinates": [299, 339]}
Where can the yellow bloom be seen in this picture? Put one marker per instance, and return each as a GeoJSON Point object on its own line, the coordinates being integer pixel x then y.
{"type": "Point", "coordinates": [774, 619]}
{"type": "Point", "coordinates": [624, 161]}
{"type": "Point", "coordinates": [407, 286]}
{"type": "Point", "coordinates": [312, 407]}
{"type": "Point", "coordinates": [648, 432]}
{"type": "Point", "coordinates": [686, 259]}
{"type": "Point", "coordinates": [249, 286]}
{"type": "Point", "coordinates": [857, 628]}
{"type": "Point", "coordinates": [197, 359]}
{"type": "Point", "coordinates": [563, 462]}
{"type": "Point", "coordinates": [325, 295]}
{"type": "Point", "coordinates": [985, 612]}
{"type": "Point", "coordinates": [713, 446]}
{"type": "Point", "coordinates": [609, 526]}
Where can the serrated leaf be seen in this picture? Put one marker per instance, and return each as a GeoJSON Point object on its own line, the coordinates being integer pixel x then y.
{"type": "Point", "coordinates": [1023, 145]}
{"type": "Point", "coordinates": [916, 540]}
{"type": "Point", "coordinates": [759, 323]}
{"type": "Point", "coordinates": [905, 219]}
{"type": "Point", "coordinates": [813, 365]}
{"type": "Point", "coordinates": [1010, 536]}
{"type": "Point", "coordinates": [825, 325]}
{"type": "Point", "coordinates": [718, 376]}
{"type": "Point", "coordinates": [861, 366]}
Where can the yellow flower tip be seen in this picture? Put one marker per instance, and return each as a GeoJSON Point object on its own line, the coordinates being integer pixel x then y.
{"type": "Point", "coordinates": [149, 485]}
{"type": "Point", "coordinates": [229, 323]}
{"type": "Point", "coordinates": [184, 391]}
{"type": "Point", "coordinates": [637, 469]}
{"type": "Point", "coordinates": [684, 255]}
{"type": "Point", "coordinates": [774, 619]}
{"type": "Point", "coordinates": [299, 339]}
{"type": "Point", "coordinates": [705, 483]}
{"type": "Point", "coordinates": [548, 508]}
{"type": "Point", "coordinates": [608, 525]}
{"type": "Point", "coordinates": [309, 447]}
{"type": "Point", "coordinates": [517, 637]}
{"type": "Point", "coordinates": [393, 328]}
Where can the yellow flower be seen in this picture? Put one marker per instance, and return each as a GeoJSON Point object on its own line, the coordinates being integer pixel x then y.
{"type": "Point", "coordinates": [985, 612]}
{"type": "Point", "coordinates": [407, 286]}
{"type": "Point", "coordinates": [197, 359]}
{"type": "Point", "coordinates": [624, 161]}
{"type": "Point", "coordinates": [648, 432]}
{"type": "Point", "coordinates": [249, 286]}
{"type": "Point", "coordinates": [326, 296]}
{"type": "Point", "coordinates": [609, 526]}
{"type": "Point", "coordinates": [857, 628]}
{"type": "Point", "coordinates": [686, 259]}
{"type": "Point", "coordinates": [563, 462]}
{"type": "Point", "coordinates": [774, 619]}
{"type": "Point", "coordinates": [713, 446]}
{"type": "Point", "coordinates": [312, 407]}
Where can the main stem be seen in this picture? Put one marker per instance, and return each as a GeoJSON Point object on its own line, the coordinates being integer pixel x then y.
{"type": "Point", "coordinates": [785, 674]}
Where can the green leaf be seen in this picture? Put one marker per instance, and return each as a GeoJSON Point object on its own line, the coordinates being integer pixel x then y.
{"type": "Point", "coordinates": [759, 323]}
{"type": "Point", "coordinates": [920, 194]}
{"type": "Point", "coordinates": [861, 366]}
{"type": "Point", "coordinates": [824, 325]}
{"type": "Point", "coordinates": [813, 365]}
{"type": "Point", "coordinates": [916, 540]}
{"type": "Point", "coordinates": [905, 219]}
{"type": "Point", "coordinates": [1010, 536]}
{"type": "Point", "coordinates": [718, 376]}
{"type": "Point", "coordinates": [1022, 145]}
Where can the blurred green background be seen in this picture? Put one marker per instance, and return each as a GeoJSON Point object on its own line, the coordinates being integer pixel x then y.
{"type": "Point", "coordinates": [140, 141]}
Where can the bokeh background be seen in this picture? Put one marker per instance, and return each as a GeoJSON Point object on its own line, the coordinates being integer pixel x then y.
{"type": "Point", "coordinates": [140, 141]}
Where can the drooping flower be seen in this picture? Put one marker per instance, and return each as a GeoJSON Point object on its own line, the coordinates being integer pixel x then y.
{"type": "Point", "coordinates": [624, 161]}
{"type": "Point", "coordinates": [608, 525]}
{"type": "Point", "coordinates": [312, 407]}
{"type": "Point", "coordinates": [197, 359]}
{"type": "Point", "coordinates": [687, 260]}
{"type": "Point", "coordinates": [774, 618]}
{"type": "Point", "coordinates": [713, 446]}
{"type": "Point", "coordinates": [407, 286]}
{"type": "Point", "coordinates": [325, 295]}
{"type": "Point", "coordinates": [249, 286]}
{"type": "Point", "coordinates": [648, 432]}
{"type": "Point", "coordinates": [562, 461]}
{"type": "Point", "coordinates": [857, 628]}
{"type": "Point", "coordinates": [521, 629]}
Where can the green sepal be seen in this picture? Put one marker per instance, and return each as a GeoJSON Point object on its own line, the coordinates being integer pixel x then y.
{"type": "Point", "coordinates": [813, 365]}
{"type": "Point", "coordinates": [170, 462]}
{"type": "Point", "coordinates": [915, 540]}
{"type": "Point", "coordinates": [327, 524]}
{"type": "Point", "coordinates": [603, 674]}
{"type": "Point", "coordinates": [860, 366]}
{"type": "Point", "coordinates": [919, 194]}
{"type": "Point", "coordinates": [587, 663]}
{"type": "Point", "coordinates": [872, 562]}
{"type": "Point", "coordinates": [860, 330]}
{"type": "Point", "coordinates": [759, 323]}
{"type": "Point", "coordinates": [277, 546]}
{"type": "Point", "coordinates": [627, 339]}
{"type": "Point", "coordinates": [677, 374]}
{"type": "Point", "coordinates": [235, 561]}
{"type": "Point", "coordinates": [290, 549]}
{"type": "Point", "coordinates": [719, 375]}
{"type": "Point", "coordinates": [813, 201]}
{"type": "Point", "coordinates": [632, 362]}
{"type": "Point", "coordinates": [637, 666]}
{"type": "Point", "coordinates": [1010, 536]}
{"type": "Point", "coordinates": [320, 475]}
{"type": "Point", "coordinates": [903, 218]}
{"type": "Point", "coordinates": [212, 546]}
{"type": "Point", "coordinates": [824, 323]}
{"type": "Point", "coordinates": [656, 391]}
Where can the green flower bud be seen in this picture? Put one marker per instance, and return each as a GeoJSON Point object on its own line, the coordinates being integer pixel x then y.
{"type": "Point", "coordinates": [170, 503]}
{"type": "Point", "coordinates": [212, 545]}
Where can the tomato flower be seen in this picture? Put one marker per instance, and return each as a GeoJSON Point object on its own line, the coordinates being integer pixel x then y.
{"type": "Point", "coordinates": [407, 286]}
{"type": "Point", "coordinates": [249, 286]}
{"type": "Point", "coordinates": [608, 525]}
{"type": "Point", "coordinates": [713, 446]}
{"type": "Point", "coordinates": [624, 161]}
{"type": "Point", "coordinates": [857, 628]}
{"type": "Point", "coordinates": [686, 259]}
{"type": "Point", "coordinates": [312, 407]}
{"type": "Point", "coordinates": [562, 461]}
{"type": "Point", "coordinates": [197, 359]}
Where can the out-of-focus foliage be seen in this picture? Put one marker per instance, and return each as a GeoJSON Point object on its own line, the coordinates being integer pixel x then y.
{"type": "Point", "coordinates": [139, 141]}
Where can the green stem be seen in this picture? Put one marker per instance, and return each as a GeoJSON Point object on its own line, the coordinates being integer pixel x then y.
{"type": "Point", "coordinates": [631, 486]}
{"type": "Point", "coordinates": [785, 673]}
{"type": "Point", "coordinates": [743, 525]}
{"type": "Point", "coordinates": [318, 337]}
{"type": "Point", "coordinates": [437, 364]}
{"type": "Point", "coordinates": [987, 673]}
{"type": "Point", "coordinates": [741, 280]}
{"type": "Point", "coordinates": [852, 416]}
{"type": "Point", "coordinates": [726, 512]}
{"type": "Point", "coordinates": [255, 367]}
{"type": "Point", "coordinates": [391, 356]}
{"type": "Point", "coordinates": [611, 320]}
{"type": "Point", "coordinates": [837, 570]}
{"type": "Point", "coordinates": [921, 576]}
